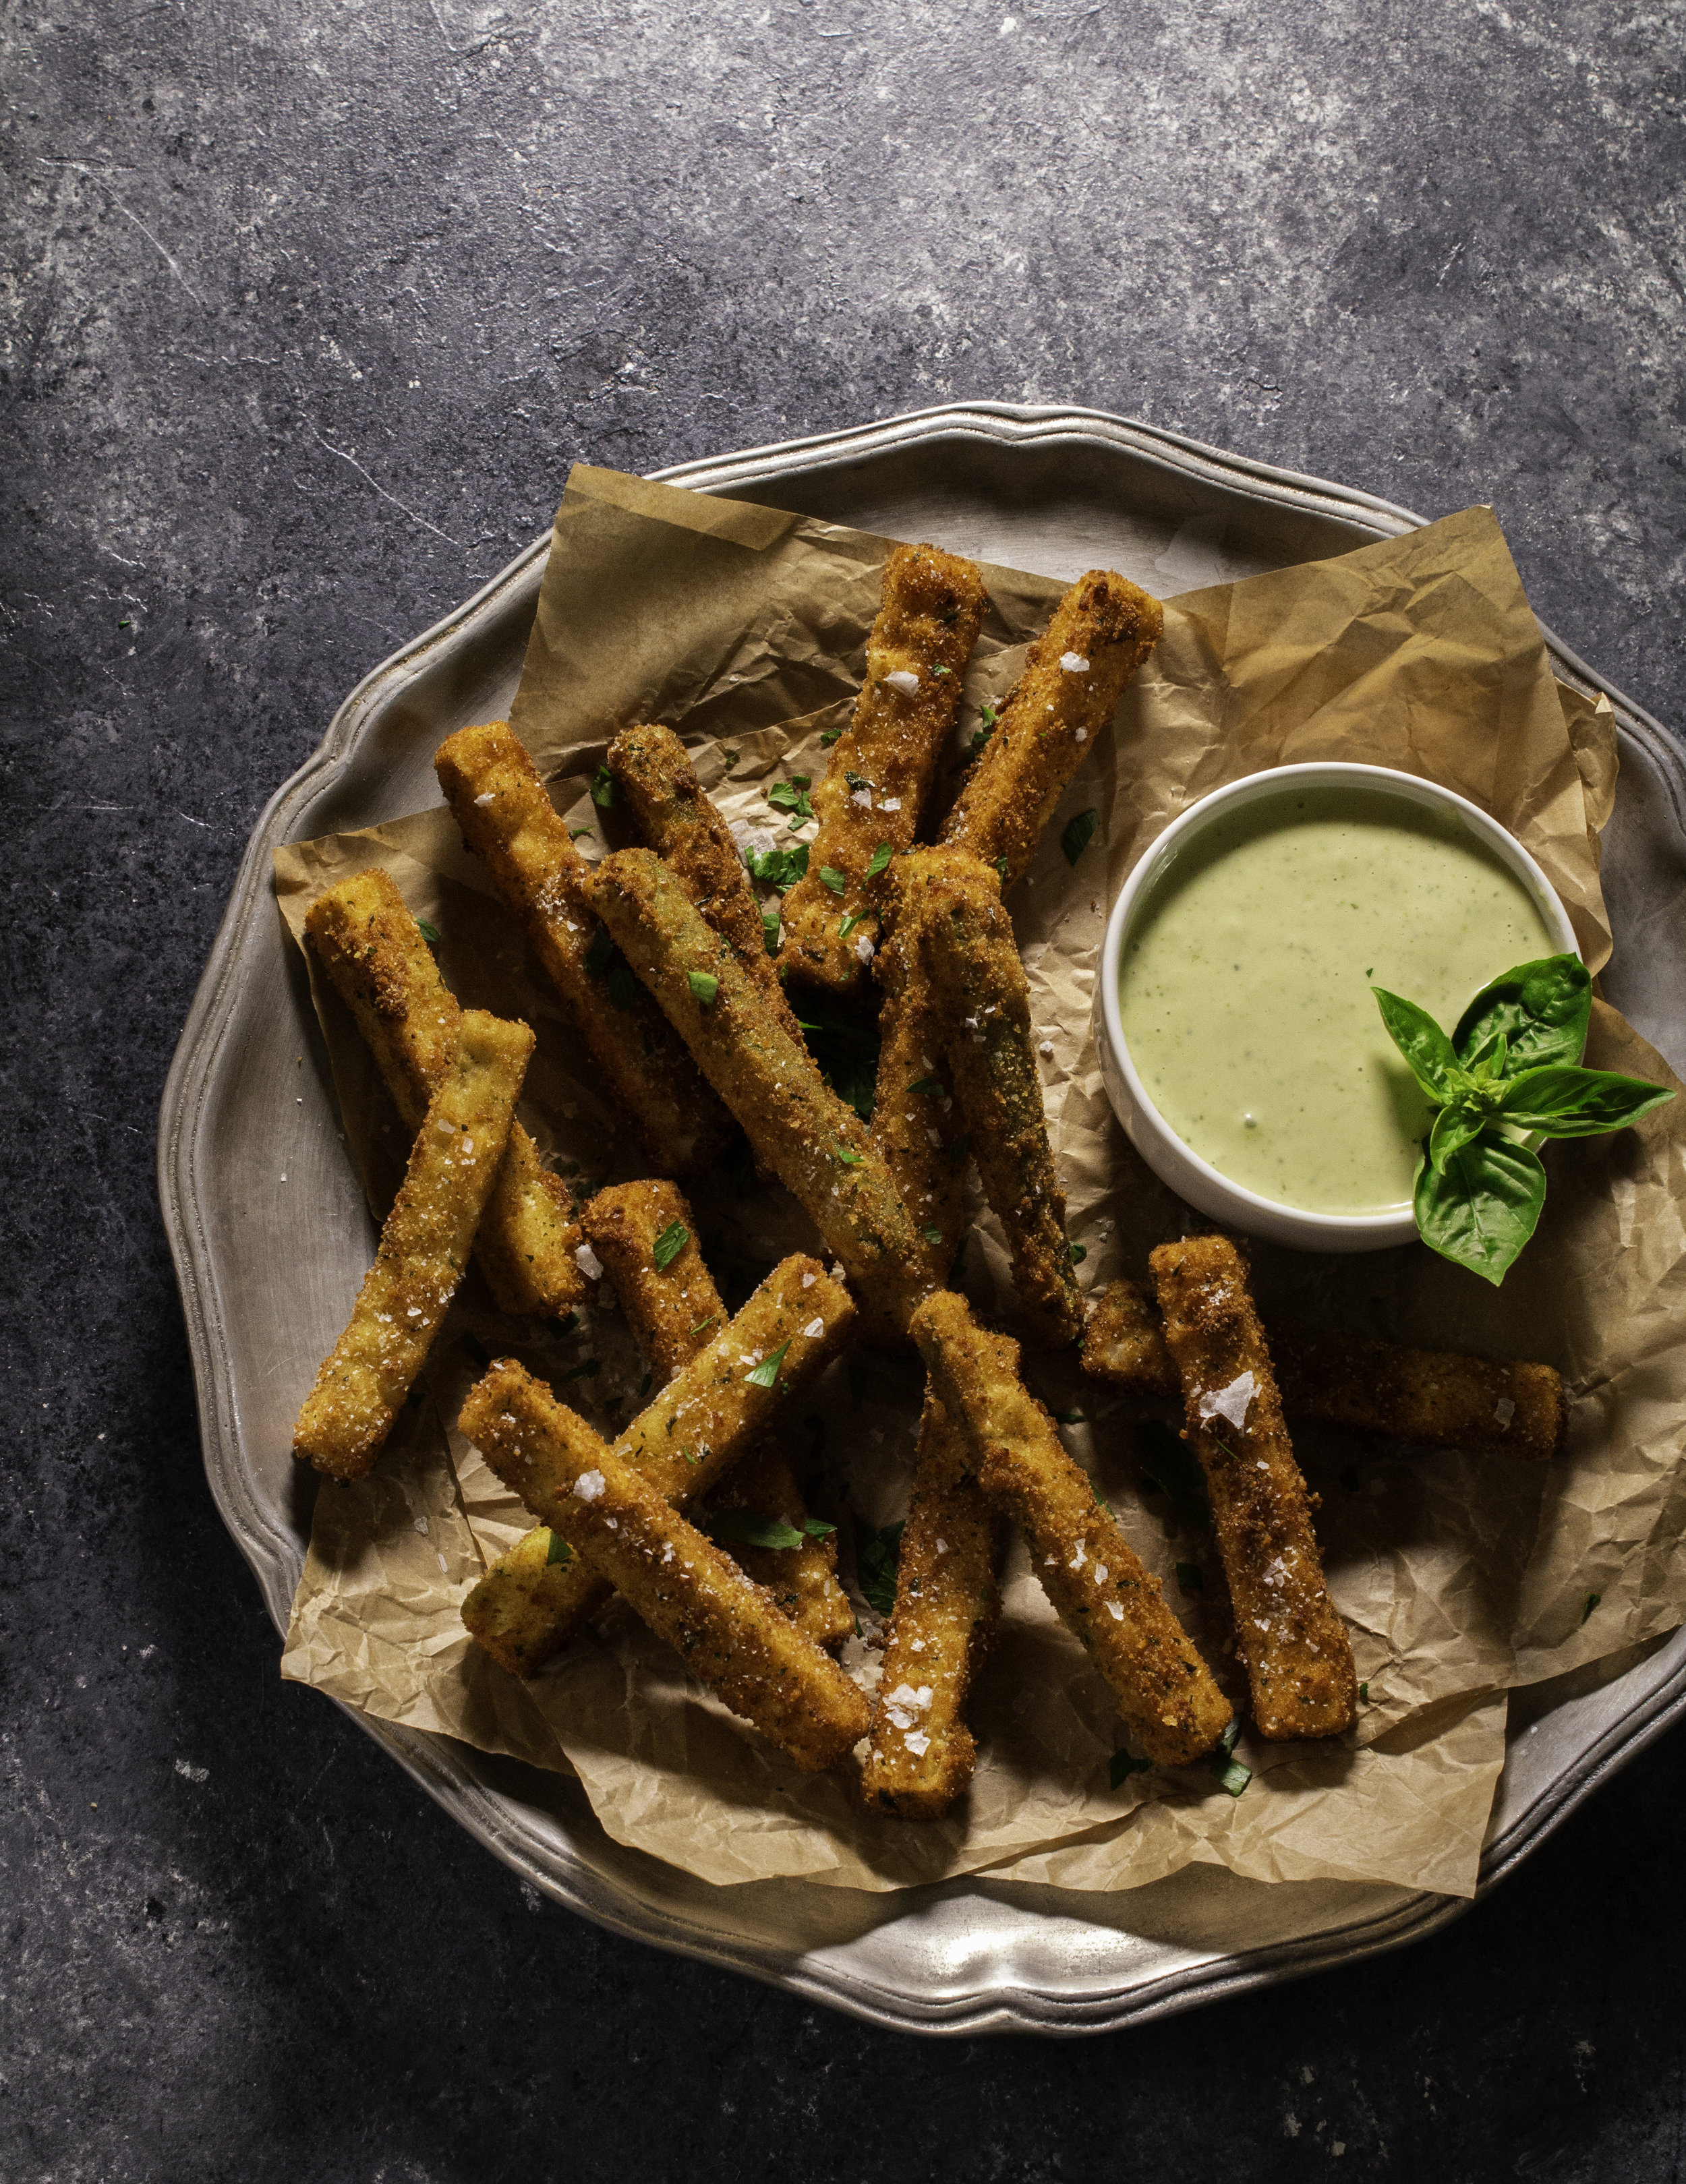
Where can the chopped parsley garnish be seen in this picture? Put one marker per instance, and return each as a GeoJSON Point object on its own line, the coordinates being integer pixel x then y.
{"type": "Point", "coordinates": [1168, 1466]}
{"type": "Point", "coordinates": [1364, 1693]}
{"type": "Point", "coordinates": [856, 780]}
{"type": "Point", "coordinates": [704, 985]}
{"type": "Point", "coordinates": [942, 671]}
{"type": "Point", "coordinates": [751, 1530]}
{"type": "Point", "coordinates": [588, 1371]}
{"type": "Point", "coordinates": [1080, 1252]}
{"type": "Point", "coordinates": [574, 832]}
{"type": "Point", "coordinates": [876, 1555]}
{"type": "Point", "coordinates": [817, 1527]}
{"type": "Point", "coordinates": [691, 1332]}
{"type": "Point", "coordinates": [929, 1087]}
{"type": "Point", "coordinates": [836, 881]}
{"type": "Point", "coordinates": [880, 858]}
{"type": "Point", "coordinates": [1123, 1765]}
{"type": "Point", "coordinates": [1227, 1771]}
{"type": "Point", "coordinates": [770, 928]}
{"type": "Point", "coordinates": [1078, 834]}
{"type": "Point", "coordinates": [765, 1374]}
{"type": "Point", "coordinates": [603, 788]}
{"type": "Point", "coordinates": [778, 868]}
{"type": "Point", "coordinates": [850, 920]}
{"type": "Point", "coordinates": [669, 1244]}
{"type": "Point", "coordinates": [430, 933]}
{"type": "Point", "coordinates": [1593, 1599]}
{"type": "Point", "coordinates": [932, 1235]}
{"type": "Point", "coordinates": [792, 796]}
{"type": "Point", "coordinates": [829, 736]}
{"type": "Point", "coordinates": [731, 758]}
{"type": "Point", "coordinates": [1188, 1578]}
{"type": "Point", "coordinates": [559, 1550]}
{"type": "Point", "coordinates": [849, 1159]}
{"type": "Point", "coordinates": [1000, 867]}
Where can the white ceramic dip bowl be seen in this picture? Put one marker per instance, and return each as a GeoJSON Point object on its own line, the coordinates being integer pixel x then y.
{"type": "Point", "coordinates": [1172, 1160]}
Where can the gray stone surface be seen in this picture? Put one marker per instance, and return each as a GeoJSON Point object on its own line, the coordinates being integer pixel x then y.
{"type": "Point", "coordinates": [309, 308]}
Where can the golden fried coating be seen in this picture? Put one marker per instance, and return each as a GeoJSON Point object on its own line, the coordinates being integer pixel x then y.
{"type": "Point", "coordinates": [1429, 1395]}
{"type": "Point", "coordinates": [364, 937]}
{"type": "Point", "coordinates": [915, 1124]}
{"type": "Point", "coordinates": [498, 801]}
{"type": "Point", "coordinates": [673, 1309]}
{"type": "Point", "coordinates": [983, 1008]}
{"type": "Point", "coordinates": [818, 1147]}
{"type": "Point", "coordinates": [879, 771]}
{"type": "Point", "coordinates": [681, 824]}
{"type": "Point", "coordinates": [724, 1627]}
{"type": "Point", "coordinates": [946, 1602]}
{"type": "Point", "coordinates": [1089, 1570]}
{"type": "Point", "coordinates": [691, 1434]}
{"type": "Point", "coordinates": [1055, 715]}
{"type": "Point", "coordinates": [424, 1248]}
{"type": "Point", "coordinates": [1289, 1634]}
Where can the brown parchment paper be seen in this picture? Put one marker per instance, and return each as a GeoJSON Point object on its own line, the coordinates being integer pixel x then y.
{"type": "Point", "coordinates": [745, 629]}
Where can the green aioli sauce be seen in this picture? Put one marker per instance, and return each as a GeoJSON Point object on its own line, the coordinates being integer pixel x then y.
{"type": "Point", "coordinates": [1245, 985]}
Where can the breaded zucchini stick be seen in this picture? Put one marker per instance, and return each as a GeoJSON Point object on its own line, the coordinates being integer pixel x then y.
{"type": "Point", "coordinates": [881, 769]}
{"type": "Point", "coordinates": [984, 1004]}
{"type": "Point", "coordinates": [691, 1434]}
{"type": "Point", "coordinates": [1429, 1395]}
{"type": "Point", "coordinates": [500, 803]}
{"type": "Point", "coordinates": [681, 824]}
{"type": "Point", "coordinates": [915, 1124]}
{"type": "Point", "coordinates": [424, 1248]}
{"type": "Point", "coordinates": [1055, 713]}
{"type": "Point", "coordinates": [673, 1308]}
{"type": "Point", "coordinates": [364, 937]}
{"type": "Point", "coordinates": [818, 1147]}
{"type": "Point", "coordinates": [946, 1602]}
{"type": "Point", "coordinates": [1298, 1659]}
{"type": "Point", "coordinates": [1104, 1595]}
{"type": "Point", "coordinates": [724, 1627]}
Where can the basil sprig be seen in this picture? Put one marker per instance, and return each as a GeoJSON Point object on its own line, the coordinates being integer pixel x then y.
{"type": "Point", "coordinates": [1510, 1069]}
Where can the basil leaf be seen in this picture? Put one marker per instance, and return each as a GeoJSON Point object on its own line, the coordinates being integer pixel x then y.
{"type": "Point", "coordinates": [770, 926]}
{"type": "Point", "coordinates": [1454, 1127]}
{"type": "Point", "coordinates": [879, 860]}
{"type": "Point", "coordinates": [816, 1527]}
{"type": "Point", "coordinates": [669, 1244]}
{"type": "Point", "coordinates": [1078, 834]}
{"type": "Point", "coordinates": [430, 933]}
{"type": "Point", "coordinates": [1542, 1008]}
{"type": "Point", "coordinates": [1565, 1102]}
{"type": "Point", "coordinates": [751, 1530]}
{"type": "Point", "coordinates": [1122, 1766]}
{"type": "Point", "coordinates": [704, 985]}
{"type": "Point", "coordinates": [1484, 1207]}
{"type": "Point", "coordinates": [603, 788]}
{"type": "Point", "coordinates": [836, 881]}
{"type": "Point", "coordinates": [559, 1550]}
{"type": "Point", "coordinates": [1490, 1058]}
{"type": "Point", "coordinates": [876, 1555]}
{"type": "Point", "coordinates": [1425, 1046]}
{"type": "Point", "coordinates": [765, 1374]}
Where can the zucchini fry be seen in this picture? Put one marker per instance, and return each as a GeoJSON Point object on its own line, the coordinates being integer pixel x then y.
{"type": "Point", "coordinates": [500, 803]}
{"type": "Point", "coordinates": [672, 1308]}
{"type": "Point", "coordinates": [1055, 713]}
{"type": "Point", "coordinates": [1436, 1397]}
{"type": "Point", "coordinates": [1103, 1595]}
{"type": "Point", "coordinates": [709, 1414]}
{"type": "Point", "coordinates": [818, 1147]}
{"type": "Point", "coordinates": [946, 1602]}
{"type": "Point", "coordinates": [364, 937]}
{"type": "Point", "coordinates": [681, 824]}
{"type": "Point", "coordinates": [914, 1121]}
{"type": "Point", "coordinates": [881, 769]}
{"type": "Point", "coordinates": [724, 1626]}
{"type": "Point", "coordinates": [424, 1248]}
{"type": "Point", "coordinates": [983, 1003]}
{"type": "Point", "coordinates": [1298, 1659]}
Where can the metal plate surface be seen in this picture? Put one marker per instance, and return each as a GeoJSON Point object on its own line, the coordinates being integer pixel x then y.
{"type": "Point", "coordinates": [1054, 490]}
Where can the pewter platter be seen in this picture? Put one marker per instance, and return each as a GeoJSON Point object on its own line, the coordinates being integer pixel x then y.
{"type": "Point", "coordinates": [1053, 490]}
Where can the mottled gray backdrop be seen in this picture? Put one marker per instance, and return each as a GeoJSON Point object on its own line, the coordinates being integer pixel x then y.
{"type": "Point", "coordinates": [307, 308]}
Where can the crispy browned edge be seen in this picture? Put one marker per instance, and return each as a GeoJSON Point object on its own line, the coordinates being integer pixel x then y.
{"type": "Point", "coordinates": [678, 820]}
{"type": "Point", "coordinates": [932, 608]}
{"type": "Point", "coordinates": [1053, 719]}
{"type": "Point", "coordinates": [672, 1311]}
{"type": "Point", "coordinates": [364, 937]}
{"type": "Point", "coordinates": [1434, 1397]}
{"type": "Point", "coordinates": [983, 1006]}
{"type": "Point", "coordinates": [947, 1604]}
{"type": "Point", "coordinates": [698, 1425]}
{"type": "Point", "coordinates": [1288, 1633]}
{"type": "Point", "coordinates": [499, 803]}
{"type": "Point", "coordinates": [1094, 1578]}
{"type": "Point", "coordinates": [425, 1242]}
{"type": "Point", "coordinates": [817, 1147]}
{"type": "Point", "coordinates": [726, 1628]}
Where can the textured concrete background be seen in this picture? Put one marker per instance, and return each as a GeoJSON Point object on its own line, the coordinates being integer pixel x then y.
{"type": "Point", "coordinates": [308, 309]}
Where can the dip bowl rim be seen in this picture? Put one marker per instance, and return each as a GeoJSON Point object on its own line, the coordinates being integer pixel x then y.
{"type": "Point", "coordinates": [1171, 1158]}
